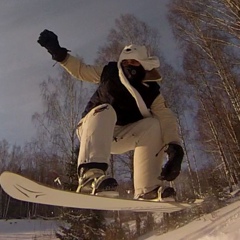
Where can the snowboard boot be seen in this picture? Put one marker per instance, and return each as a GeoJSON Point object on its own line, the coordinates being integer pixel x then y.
{"type": "Point", "coordinates": [159, 194]}
{"type": "Point", "coordinates": [93, 180]}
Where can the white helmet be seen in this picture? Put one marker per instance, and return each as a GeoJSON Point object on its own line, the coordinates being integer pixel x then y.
{"type": "Point", "coordinates": [140, 54]}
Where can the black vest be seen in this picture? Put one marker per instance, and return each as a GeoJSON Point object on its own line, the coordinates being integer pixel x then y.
{"type": "Point", "coordinates": [113, 92]}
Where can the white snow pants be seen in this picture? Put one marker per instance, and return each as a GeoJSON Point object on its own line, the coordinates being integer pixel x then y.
{"type": "Point", "coordinates": [100, 136]}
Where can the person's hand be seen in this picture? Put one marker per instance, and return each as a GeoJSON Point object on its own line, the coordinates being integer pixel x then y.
{"type": "Point", "coordinates": [49, 40]}
{"type": "Point", "coordinates": [173, 166]}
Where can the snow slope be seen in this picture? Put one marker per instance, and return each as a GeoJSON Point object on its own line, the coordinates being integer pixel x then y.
{"type": "Point", "coordinates": [223, 224]}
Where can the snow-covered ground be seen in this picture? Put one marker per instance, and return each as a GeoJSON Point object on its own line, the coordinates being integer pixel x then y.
{"type": "Point", "coordinates": [223, 224]}
{"type": "Point", "coordinates": [17, 229]}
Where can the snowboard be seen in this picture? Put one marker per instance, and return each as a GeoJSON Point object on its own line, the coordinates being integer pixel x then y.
{"type": "Point", "coordinates": [24, 189]}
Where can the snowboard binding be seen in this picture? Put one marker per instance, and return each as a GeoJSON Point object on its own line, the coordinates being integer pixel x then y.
{"type": "Point", "coordinates": [159, 194]}
{"type": "Point", "coordinates": [93, 180]}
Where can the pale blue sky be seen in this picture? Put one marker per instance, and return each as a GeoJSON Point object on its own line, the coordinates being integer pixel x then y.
{"type": "Point", "coordinates": [82, 26]}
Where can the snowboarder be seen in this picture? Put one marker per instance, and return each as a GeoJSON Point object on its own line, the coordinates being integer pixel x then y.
{"type": "Point", "coordinates": [127, 112]}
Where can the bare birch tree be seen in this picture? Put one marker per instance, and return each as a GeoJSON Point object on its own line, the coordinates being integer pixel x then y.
{"type": "Point", "coordinates": [63, 99]}
{"type": "Point", "coordinates": [192, 24]}
{"type": "Point", "coordinates": [214, 128]}
{"type": "Point", "coordinates": [211, 66]}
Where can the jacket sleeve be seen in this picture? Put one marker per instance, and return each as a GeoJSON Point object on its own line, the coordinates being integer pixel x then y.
{"type": "Point", "coordinates": [167, 120]}
{"type": "Point", "coordinates": [80, 70]}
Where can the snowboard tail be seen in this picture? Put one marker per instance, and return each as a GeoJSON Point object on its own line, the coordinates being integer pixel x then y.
{"type": "Point", "coordinates": [24, 189]}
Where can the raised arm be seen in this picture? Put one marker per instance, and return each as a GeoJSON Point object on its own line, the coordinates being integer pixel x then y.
{"type": "Point", "coordinates": [82, 71]}
{"type": "Point", "coordinates": [73, 65]}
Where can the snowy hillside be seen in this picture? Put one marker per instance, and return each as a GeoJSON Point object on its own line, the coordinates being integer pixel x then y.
{"type": "Point", "coordinates": [223, 224]}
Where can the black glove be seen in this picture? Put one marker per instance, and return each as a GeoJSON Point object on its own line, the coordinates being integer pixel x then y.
{"type": "Point", "coordinates": [49, 40]}
{"type": "Point", "coordinates": [173, 166]}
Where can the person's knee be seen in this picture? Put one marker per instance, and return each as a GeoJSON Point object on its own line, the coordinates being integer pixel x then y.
{"type": "Point", "coordinates": [153, 125]}
{"type": "Point", "coordinates": [149, 129]}
{"type": "Point", "coordinates": [104, 108]}
{"type": "Point", "coordinates": [103, 114]}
